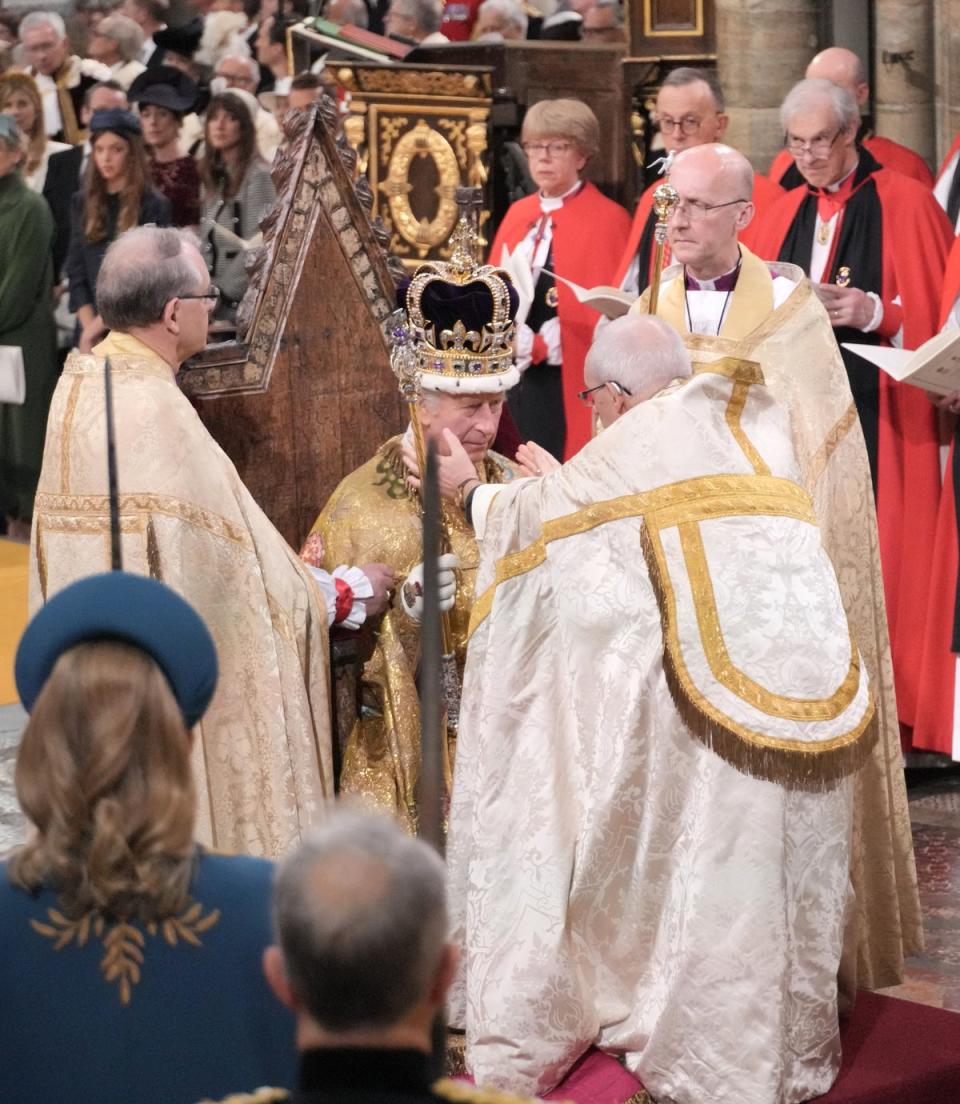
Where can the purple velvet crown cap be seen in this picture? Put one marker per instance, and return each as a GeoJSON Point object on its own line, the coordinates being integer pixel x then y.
{"type": "Point", "coordinates": [444, 303]}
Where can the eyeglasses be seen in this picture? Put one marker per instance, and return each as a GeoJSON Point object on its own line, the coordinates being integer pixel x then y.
{"type": "Point", "coordinates": [689, 124]}
{"type": "Point", "coordinates": [551, 149]}
{"type": "Point", "coordinates": [618, 388]}
{"type": "Point", "coordinates": [696, 209]}
{"type": "Point", "coordinates": [212, 296]}
{"type": "Point", "coordinates": [816, 147]}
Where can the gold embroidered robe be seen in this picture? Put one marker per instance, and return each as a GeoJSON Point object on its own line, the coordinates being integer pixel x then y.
{"type": "Point", "coordinates": [373, 517]}
{"type": "Point", "coordinates": [262, 753]}
{"type": "Point", "coordinates": [663, 707]}
{"type": "Point", "coordinates": [801, 363]}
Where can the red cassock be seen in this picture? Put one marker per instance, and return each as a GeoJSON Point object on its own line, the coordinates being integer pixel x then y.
{"type": "Point", "coordinates": [914, 237]}
{"type": "Point", "coordinates": [936, 722]}
{"type": "Point", "coordinates": [765, 192]}
{"type": "Point", "coordinates": [588, 235]}
{"type": "Point", "coordinates": [890, 154]}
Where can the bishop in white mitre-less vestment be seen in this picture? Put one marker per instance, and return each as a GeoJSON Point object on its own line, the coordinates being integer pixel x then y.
{"type": "Point", "coordinates": [663, 711]}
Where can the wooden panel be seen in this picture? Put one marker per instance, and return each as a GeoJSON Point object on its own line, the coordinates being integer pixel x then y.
{"type": "Point", "coordinates": [668, 17]}
{"type": "Point", "coordinates": [310, 396]}
{"type": "Point", "coordinates": [671, 27]}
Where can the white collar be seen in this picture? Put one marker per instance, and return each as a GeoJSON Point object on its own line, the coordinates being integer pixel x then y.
{"type": "Point", "coordinates": [554, 203]}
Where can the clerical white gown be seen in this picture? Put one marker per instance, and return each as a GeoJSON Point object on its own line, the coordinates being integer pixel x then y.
{"type": "Point", "coordinates": [662, 710]}
{"type": "Point", "coordinates": [262, 752]}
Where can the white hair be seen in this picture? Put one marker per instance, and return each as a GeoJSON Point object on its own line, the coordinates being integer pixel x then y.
{"type": "Point", "coordinates": [640, 352]}
{"type": "Point", "coordinates": [124, 32]}
{"type": "Point", "coordinates": [508, 12]}
{"type": "Point", "coordinates": [37, 19]}
{"type": "Point", "coordinates": [807, 95]}
{"type": "Point", "coordinates": [427, 14]}
{"type": "Point", "coordinates": [252, 68]}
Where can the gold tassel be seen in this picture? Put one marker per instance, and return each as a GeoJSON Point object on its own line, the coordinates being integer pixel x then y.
{"type": "Point", "coordinates": [805, 768]}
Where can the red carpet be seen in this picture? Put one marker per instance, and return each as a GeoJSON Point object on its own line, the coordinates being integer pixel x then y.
{"type": "Point", "coordinates": [898, 1052]}
{"type": "Point", "coordinates": [894, 1052]}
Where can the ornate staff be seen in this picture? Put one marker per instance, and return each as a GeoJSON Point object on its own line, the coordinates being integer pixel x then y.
{"type": "Point", "coordinates": [665, 198]}
{"type": "Point", "coordinates": [116, 559]}
{"type": "Point", "coordinates": [406, 369]}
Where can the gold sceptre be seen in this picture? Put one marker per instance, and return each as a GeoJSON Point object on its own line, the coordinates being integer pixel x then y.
{"type": "Point", "coordinates": [665, 198]}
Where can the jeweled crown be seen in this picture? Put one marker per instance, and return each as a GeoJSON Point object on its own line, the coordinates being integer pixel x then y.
{"type": "Point", "coordinates": [455, 331]}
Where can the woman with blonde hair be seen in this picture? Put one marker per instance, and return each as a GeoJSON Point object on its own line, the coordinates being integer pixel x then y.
{"type": "Point", "coordinates": [117, 195]}
{"type": "Point", "coordinates": [136, 950]}
{"type": "Point", "coordinates": [569, 228]}
{"type": "Point", "coordinates": [20, 98]}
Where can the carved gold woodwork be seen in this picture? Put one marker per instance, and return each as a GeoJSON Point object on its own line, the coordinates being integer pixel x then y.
{"type": "Point", "coordinates": [419, 135]}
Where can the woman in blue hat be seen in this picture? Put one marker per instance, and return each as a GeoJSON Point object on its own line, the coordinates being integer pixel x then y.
{"type": "Point", "coordinates": [117, 195]}
{"type": "Point", "coordinates": [130, 961]}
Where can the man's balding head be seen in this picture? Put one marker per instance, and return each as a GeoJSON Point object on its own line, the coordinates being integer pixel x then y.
{"type": "Point", "coordinates": [360, 916]}
{"type": "Point", "coordinates": [636, 357]}
{"type": "Point", "coordinates": [715, 186]}
{"type": "Point", "coordinates": [841, 66]}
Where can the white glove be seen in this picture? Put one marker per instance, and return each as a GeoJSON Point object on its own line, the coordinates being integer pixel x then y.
{"type": "Point", "coordinates": [411, 593]}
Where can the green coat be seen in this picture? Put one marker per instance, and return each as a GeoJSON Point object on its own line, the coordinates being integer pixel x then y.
{"type": "Point", "coordinates": [26, 319]}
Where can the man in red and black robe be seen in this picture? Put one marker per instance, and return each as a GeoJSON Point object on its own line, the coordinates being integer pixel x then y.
{"type": "Point", "coordinates": [875, 244]}
{"type": "Point", "coordinates": [841, 66]}
{"type": "Point", "coordinates": [937, 725]}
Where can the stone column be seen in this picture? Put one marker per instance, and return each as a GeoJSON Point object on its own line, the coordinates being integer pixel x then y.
{"type": "Point", "coordinates": [903, 90]}
{"type": "Point", "coordinates": [947, 68]}
{"type": "Point", "coordinates": [763, 47]}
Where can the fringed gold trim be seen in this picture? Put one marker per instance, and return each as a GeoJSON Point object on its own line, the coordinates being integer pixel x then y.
{"type": "Point", "coordinates": [641, 1097]}
{"type": "Point", "coordinates": [456, 1063]}
{"type": "Point", "coordinates": [804, 767]}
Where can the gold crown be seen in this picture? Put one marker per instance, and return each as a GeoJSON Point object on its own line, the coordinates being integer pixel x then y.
{"type": "Point", "coordinates": [458, 358]}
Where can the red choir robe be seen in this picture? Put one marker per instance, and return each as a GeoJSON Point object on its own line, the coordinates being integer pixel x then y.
{"type": "Point", "coordinates": [890, 154]}
{"type": "Point", "coordinates": [937, 724]}
{"type": "Point", "coordinates": [588, 235]}
{"type": "Point", "coordinates": [894, 228]}
{"type": "Point", "coordinates": [641, 241]}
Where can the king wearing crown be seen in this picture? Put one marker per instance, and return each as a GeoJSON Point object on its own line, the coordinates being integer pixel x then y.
{"type": "Point", "coordinates": [453, 356]}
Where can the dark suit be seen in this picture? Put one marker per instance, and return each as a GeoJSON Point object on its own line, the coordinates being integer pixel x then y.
{"type": "Point", "coordinates": [63, 179]}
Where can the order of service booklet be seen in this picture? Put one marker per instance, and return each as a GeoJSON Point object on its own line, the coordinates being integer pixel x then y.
{"type": "Point", "coordinates": [935, 366]}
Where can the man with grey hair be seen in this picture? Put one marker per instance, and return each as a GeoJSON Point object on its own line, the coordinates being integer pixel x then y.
{"type": "Point", "coordinates": [363, 961]}
{"type": "Point", "coordinates": [691, 111]}
{"type": "Point", "coordinates": [842, 67]}
{"type": "Point", "coordinates": [360, 916]}
{"type": "Point", "coordinates": [263, 756]}
{"type": "Point", "coordinates": [874, 243]}
{"type": "Point", "coordinates": [416, 21]}
{"type": "Point", "coordinates": [62, 77]}
{"type": "Point", "coordinates": [116, 41]}
{"type": "Point", "coordinates": [598, 848]}
{"type": "Point", "coordinates": [499, 20]}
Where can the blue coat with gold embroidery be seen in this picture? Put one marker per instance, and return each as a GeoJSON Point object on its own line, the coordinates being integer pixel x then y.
{"type": "Point", "coordinates": [133, 1013]}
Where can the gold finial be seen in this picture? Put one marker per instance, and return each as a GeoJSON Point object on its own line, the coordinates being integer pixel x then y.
{"type": "Point", "coordinates": [665, 198]}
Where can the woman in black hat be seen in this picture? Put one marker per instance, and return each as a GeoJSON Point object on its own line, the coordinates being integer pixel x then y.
{"type": "Point", "coordinates": [163, 96]}
{"type": "Point", "coordinates": [117, 195]}
{"type": "Point", "coordinates": [130, 968]}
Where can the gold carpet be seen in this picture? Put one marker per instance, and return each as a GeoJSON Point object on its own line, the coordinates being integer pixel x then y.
{"type": "Point", "coordinates": [13, 611]}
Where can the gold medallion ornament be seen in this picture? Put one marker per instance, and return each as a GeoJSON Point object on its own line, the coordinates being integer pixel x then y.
{"type": "Point", "coordinates": [843, 276]}
{"type": "Point", "coordinates": [823, 233]}
{"type": "Point", "coordinates": [552, 297]}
